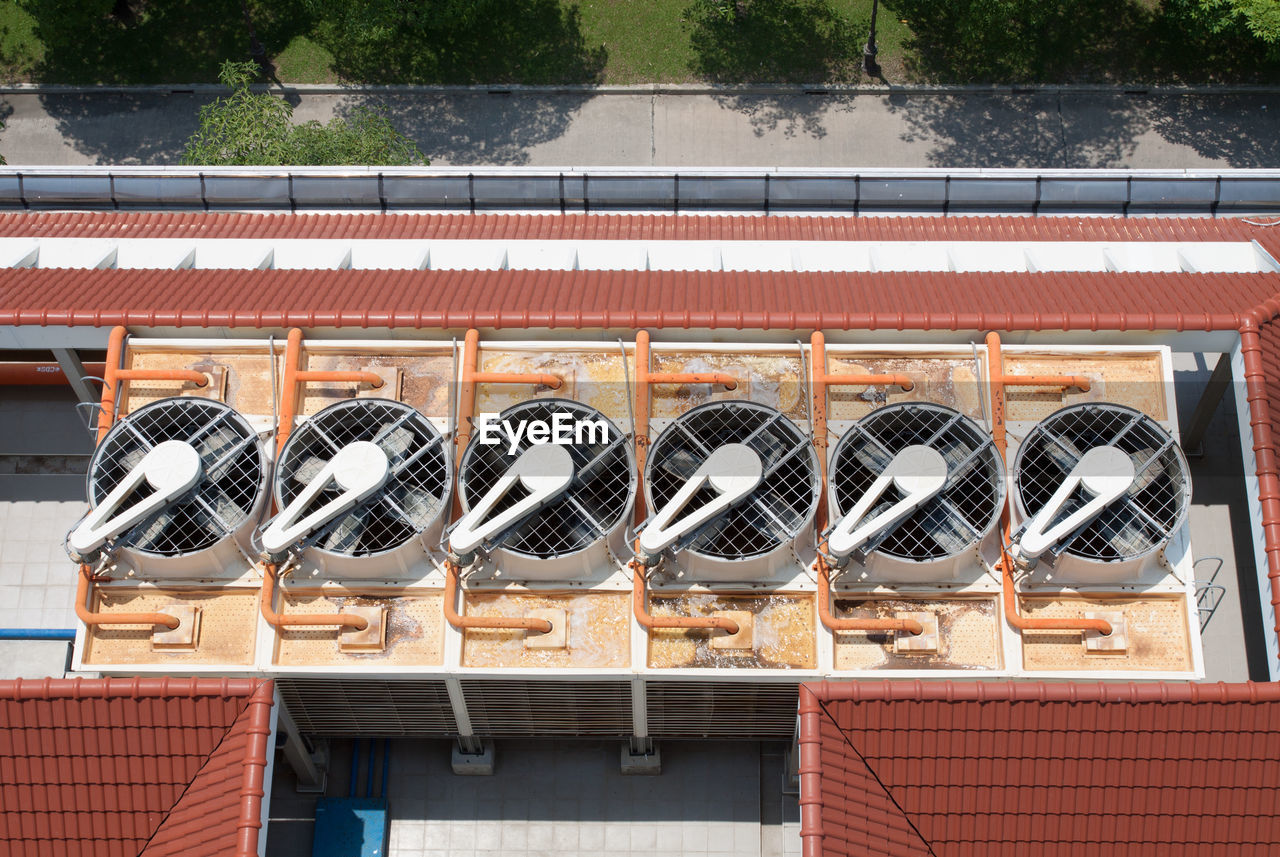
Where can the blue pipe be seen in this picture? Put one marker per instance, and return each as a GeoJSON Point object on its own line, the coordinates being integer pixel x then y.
{"type": "Point", "coordinates": [386, 765]}
{"type": "Point", "coordinates": [67, 635]}
{"type": "Point", "coordinates": [355, 767]}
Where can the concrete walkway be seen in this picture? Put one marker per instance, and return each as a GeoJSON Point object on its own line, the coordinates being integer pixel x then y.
{"type": "Point", "coordinates": [1045, 129]}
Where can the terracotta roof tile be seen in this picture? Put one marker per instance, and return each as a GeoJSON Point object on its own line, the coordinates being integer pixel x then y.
{"type": "Point", "coordinates": [901, 768]}
{"type": "Point", "coordinates": [101, 767]}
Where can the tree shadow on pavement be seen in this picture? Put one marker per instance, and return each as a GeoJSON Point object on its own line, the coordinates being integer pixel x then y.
{"type": "Point", "coordinates": [776, 41]}
{"type": "Point", "coordinates": [458, 42]}
{"type": "Point", "coordinates": [104, 41]}
{"type": "Point", "coordinates": [479, 129]}
{"type": "Point", "coordinates": [973, 130]}
{"type": "Point", "coordinates": [1213, 127]}
{"type": "Point", "coordinates": [126, 129]}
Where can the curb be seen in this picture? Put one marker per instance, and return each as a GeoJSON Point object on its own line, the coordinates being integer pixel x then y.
{"type": "Point", "coordinates": [650, 89]}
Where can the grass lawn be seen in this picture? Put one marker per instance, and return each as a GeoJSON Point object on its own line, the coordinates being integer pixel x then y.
{"type": "Point", "coordinates": [628, 41]}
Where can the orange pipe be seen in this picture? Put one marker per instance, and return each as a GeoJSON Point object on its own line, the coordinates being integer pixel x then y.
{"type": "Point", "coordinates": [295, 376]}
{"type": "Point", "coordinates": [541, 379]}
{"type": "Point", "coordinates": [115, 351]}
{"type": "Point", "coordinates": [40, 374]}
{"type": "Point", "coordinates": [284, 620]}
{"type": "Point", "coordinates": [517, 623]}
{"type": "Point", "coordinates": [722, 378]}
{"type": "Point", "coordinates": [909, 626]}
{"type": "Point", "coordinates": [648, 620]}
{"type": "Point", "coordinates": [184, 375]}
{"type": "Point", "coordinates": [819, 381]}
{"type": "Point", "coordinates": [997, 381]}
{"type": "Point", "coordinates": [92, 619]}
{"type": "Point", "coordinates": [996, 359]}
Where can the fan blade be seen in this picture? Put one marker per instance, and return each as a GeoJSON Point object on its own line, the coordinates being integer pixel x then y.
{"type": "Point", "coordinates": [309, 469]}
{"type": "Point", "coordinates": [873, 458]}
{"type": "Point", "coordinates": [680, 463]}
{"type": "Point", "coordinates": [346, 535]}
{"type": "Point", "coordinates": [1062, 452]}
{"type": "Point", "coordinates": [944, 529]}
{"type": "Point", "coordinates": [395, 443]}
{"type": "Point", "coordinates": [216, 443]}
{"type": "Point", "coordinates": [418, 507]}
{"type": "Point", "coordinates": [1145, 477]}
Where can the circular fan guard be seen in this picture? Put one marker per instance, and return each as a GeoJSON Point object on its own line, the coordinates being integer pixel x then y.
{"type": "Point", "coordinates": [229, 489]}
{"type": "Point", "coordinates": [948, 524]}
{"type": "Point", "coordinates": [1143, 519]}
{"type": "Point", "coordinates": [779, 507]}
{"type": "Point", "coordinates": [596, 502]}
{"type": "Point", "coordinates": [414, 496]}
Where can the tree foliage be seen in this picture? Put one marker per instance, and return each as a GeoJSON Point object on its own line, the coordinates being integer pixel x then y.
{"type": "Point", "coordinates": [1259, 17]}
{"type": "Point", "coordinates": [248, 128]}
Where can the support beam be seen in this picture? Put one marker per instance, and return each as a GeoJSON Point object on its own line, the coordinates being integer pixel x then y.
{"type": "Point", "coordinates": [73, 371]}
{"type": "Point", "coordinates": [1214, 390]}
{"type": "Point", "coordinates": [641, 744]}
{"type": "Point", "coordinates": [468, 742]}
{"type": "Point", "coordinates": [308, 761]}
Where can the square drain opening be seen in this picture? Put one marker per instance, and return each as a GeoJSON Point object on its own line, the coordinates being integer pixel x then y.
{"type": "Point", "coordinates": [924, 643]}
{"type": "Point", "coordinates": [557, 637]}
{"type": "Point", "coordinates": [186, 636]}
{"type": "Point", "coordinates": [372, 638]}
{"type": "Point", "coordinates": [1116, 643]}
{"type": "Point", "coordinates": [741, 642]}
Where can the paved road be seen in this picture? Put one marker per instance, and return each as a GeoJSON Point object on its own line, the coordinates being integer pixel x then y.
{"type": "Point", "coordinates": [1042, 129]}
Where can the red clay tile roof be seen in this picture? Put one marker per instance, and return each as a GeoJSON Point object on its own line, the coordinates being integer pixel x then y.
{"type": "Point", "coordinates": [631, 299]}
{"type": "Point", "coordinates": [104, 224]}
{"type": "Point", "coordinates": [128, 767]}
{"type": "Point", "coordinates": [984, 769]}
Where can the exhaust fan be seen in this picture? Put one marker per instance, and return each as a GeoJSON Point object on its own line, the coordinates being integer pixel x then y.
{"type": "Point", "coordinates": [734, 486]}
{"type": "Point", "coordinates": [173, 487]}
{"type": "Point", "coordinates": [1102, 487]}
{"type": "Point", "coordinates": [362, 487]}
{"type": "Point", "coordinates": [549, 507]}
{"type": "Point", "coordinates": [914, 490]}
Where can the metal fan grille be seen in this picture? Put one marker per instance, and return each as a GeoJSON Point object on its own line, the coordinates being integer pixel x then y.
{"type": "Point", "coordinates": [960, 515]}
{"type": "Point", "coordinates": [595, 503]}
{"type": "Point", "coordinates": [774, 512]}
{"type": "Point", "coordinates": [227, 493]}
{"type": "Point", "coordinates": [414, 495]}
{"type": "Point", "coordinates": [1140, 521]}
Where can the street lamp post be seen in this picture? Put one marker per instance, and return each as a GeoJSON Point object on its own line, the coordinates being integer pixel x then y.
{"type": "Point", "coordinates": [870, 67]}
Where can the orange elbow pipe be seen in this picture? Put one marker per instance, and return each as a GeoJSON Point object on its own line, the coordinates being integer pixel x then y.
{"type": "Point", "coordinates": [93, 619]}
{"type": "Point", "coordinates": [648, 620]}
{"type": "Point", "coordinates": [339, 377]}
{"type": "Point", "coordinates": [540, 379]}
{"type": "Point", "coordinates": [996, 380]}
{"type": "Point", "coordinates": [115, 349]}
{"type": "Point", "coordinates": [184, 375]}
{"type": "Point", "coordinates": [903, 381]}
{"type": "Point", "coordinates": [288, 620]}
{"type": "Point", "coordinates": [995, 361]}
{"type": "Point", "coordinates": [722, 378]}
{"type": "Point", "coordinates": [514, 623]}
{"type": "Point", "coordinates": [289, 387]}
{"type": "Point", "coordinates": [828, 619]}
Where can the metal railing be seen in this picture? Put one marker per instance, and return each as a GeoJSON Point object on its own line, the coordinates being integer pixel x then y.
{"type": "Point", "coordinates": [767, 191]}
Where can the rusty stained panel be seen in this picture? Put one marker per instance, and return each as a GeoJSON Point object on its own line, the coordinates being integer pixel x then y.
{"type": "Point", "coordinates": [968, 635]}
{"type": "Point", "coordinates": [1129, 379]}
{"type": "Point", "coordinates": [415, 629]}
{"type": "Point", "coordinates": [599, 631]}
{"type": "Point", "coordinates": [245, 377]}
{"type": "Point", "coordinates": [943, 379]}
{"type": "Point", "coordinates": [1156, 628]}
{"type": "Point", "coordinates": [595, 378]}
{"type": "Point", "coordinates": [426, 379]}
{"type": "Point", "coordinates": [228, 626]}
{"type": "Point", "coordinates": [768, 378]}
{"type": "Point", "coordinates": [783, 633]}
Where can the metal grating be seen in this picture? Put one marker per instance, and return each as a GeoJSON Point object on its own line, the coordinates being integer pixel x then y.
{"type": "Point", "coordinates": [727, 709]}
{"type": "Point", "coordinates": [344, 707]}
{"type": "Point", "coordinates": [545, 708]}
{"type": "Point", "coordinates": [229, 488]}
{"type": "Point", "coordinates": [966, 509]}
{"type": "Point", "coordinates": [596, 502]}
{"type": "Point", "coordinates": [1139, 522]}
{"type": "Point", "coordinates": [774, 512]}
{"type": "Point", "coordinates": [414, 496]}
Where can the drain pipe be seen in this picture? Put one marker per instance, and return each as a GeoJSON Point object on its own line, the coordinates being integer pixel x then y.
{"type": "Point", "coordinates": [518, 623]}
{"type": "Point", "coordinates": [63, 635]}
{"type": "Point", "coordinates": [819, 381]}
{"type": "Point", "coordinates": [295, 377]}
{"type": "Point", "coordinates": [997, 381]}
{"type": "Point", "coordinates": [95, 619]}
{"type": "Point", "coordinates": [639, 570]}
{"type": "Point", "coordinates": [113, 376]}
{"type": "Point", "coordinates": [290, 620]}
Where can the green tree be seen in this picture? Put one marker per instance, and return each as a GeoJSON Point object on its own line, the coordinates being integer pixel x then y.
{"type": "Point", "coordinates": [1260, 17]}
{"type": "Point", "coordinates": [250, 128]}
